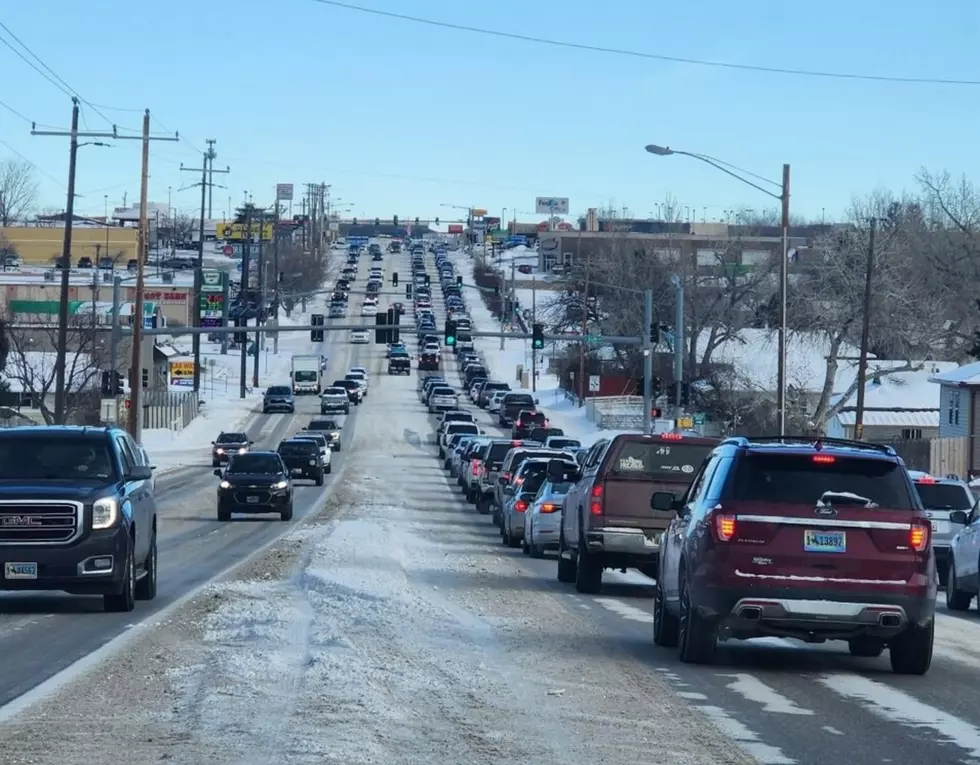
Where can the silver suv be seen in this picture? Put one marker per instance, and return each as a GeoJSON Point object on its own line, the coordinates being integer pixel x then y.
{"type": "Point", "coordinates": [940, 497]}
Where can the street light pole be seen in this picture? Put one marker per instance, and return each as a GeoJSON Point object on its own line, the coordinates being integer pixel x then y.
{"type": "Point", "coordinates": [783, 198]}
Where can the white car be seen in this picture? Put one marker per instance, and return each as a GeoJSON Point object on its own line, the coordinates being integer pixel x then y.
{"type": "Point", "coordinates": [370, 300]}
{"type": "Point", "coordinates": [360, 374]}
{"type": "Point", "coordinates": [362, 385]}
{"type": "Point", "coordinates": [363, 371]}
{"type": "Point", "coordinates": [496, 400]}
{"type": "Point", "coordinates": [369, 310]}
{"type": "Point", "coordinates": [359, 336]}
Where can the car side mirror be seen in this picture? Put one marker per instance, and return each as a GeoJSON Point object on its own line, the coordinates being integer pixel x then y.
{"type": "Point", "coordinates": [664, 501]}
{"type": "Point", "coordinates": [537, 401]}
{"type": "Point", "coordinates": [508, 490]}
{"type": "Point", "coordinates": [958, 516]}
{"type": "Point", "coordinates": [251, 443]}
{"type": "Point", "coordinates": [212, 443]}
{"type": "Point", "coordinates": [139, 473]}
{"type": "Point", "coordinates": [217, 472]}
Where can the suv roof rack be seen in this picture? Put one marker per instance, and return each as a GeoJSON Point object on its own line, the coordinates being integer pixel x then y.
{"type": "Point", "coordinates": [815, 441]}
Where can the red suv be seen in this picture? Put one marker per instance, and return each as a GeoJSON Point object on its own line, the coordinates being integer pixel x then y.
{"type": "Point", "coordinates": [811, 539]}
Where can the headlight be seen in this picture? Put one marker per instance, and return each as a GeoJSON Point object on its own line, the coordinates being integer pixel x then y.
{"type": "Point", "coordinates": [220, 451]}
{"type": "Point", "coordinates": [105, 513]}
{"type": "Point", "coordinates": [280, 485]}
{"type": "Point", "coordinates": [335, 436]}
{"type": "Point", "coordinates": [242, 450]}
{"type": "Point", "coordinates": [224, 485]}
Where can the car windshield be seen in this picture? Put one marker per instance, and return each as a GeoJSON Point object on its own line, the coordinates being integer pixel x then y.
{"type": "Point", "coordinates": [302, 376]}
{"type": "Point", "coordinates": [322, 425]}
{"type": "Point", "coordinates": [443, 391]}
{"type": "Point", "coordinates": [55, 458]}
{"type": "Point", "coordinates": [944, 496]}
{"type": "Point", "coordinates": [292, 448]}
{"type": "Point", "coordinates": [232, 438]}
{"type": "Point", "coordinates": [800, 479]}
{"type": "Point", "coordinates": [562, 443]}
{"type": "Point", "coordinates": [645, 460]}
{"type": "Point", "coordinates": [278, 390]}
{"type": "Point", "coordinates": [264, 464]}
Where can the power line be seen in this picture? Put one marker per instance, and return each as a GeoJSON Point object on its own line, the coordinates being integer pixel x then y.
{"type": "Point", "coordinates": [649, 56]}
{"type": "Point", "coordinates": [32, 164]}
{"type": "Point", "coordinates": [16, 113]}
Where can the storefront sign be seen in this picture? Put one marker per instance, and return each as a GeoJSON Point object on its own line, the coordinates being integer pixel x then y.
{"type": "Point", "coordinates": [182, 373]}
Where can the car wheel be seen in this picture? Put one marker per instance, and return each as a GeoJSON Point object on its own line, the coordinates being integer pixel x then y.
{"type": "Point", "coordinates": [588, 575]}
{"type": "Point", "coordinates": [125, 599]}
{"type": "Point", "coordinates": [328, 469]}
{"type": "Point", "coordinates": [956, 599]}
{"type": "Point", "coordinates": [319, 479]}
{"type": "Point", "coordinates": [146, 588]}
{"type": "Point", "coordinates": [337, 448]}
{"type": "Point", "coordinates": [524, 547]}
{"type": "Point", "coordinates": [215, 463]}
{"type": "Point", "coordinates": [911, 651]}
{"type": "Point", "coordinates": [566, 566]}
{"type": "Point", "coordinates": [664, 622]}
{"type": "Point", "coordinates": [866, 647]}
{"type": "Point", "coordinates": [483, 506]}
{"type": "Point", "coordinates": [265, 411]}
{"type": "Point", "coordinates": [537, 551]}
{"type": "Point", "coordinates": [287, 514]}
{"type": "Point", "coordinates": [696, 636]}
{"type": "Point", "coordinates": [224, 515]}
{"type": "Point", "coordinates": [442, 452]}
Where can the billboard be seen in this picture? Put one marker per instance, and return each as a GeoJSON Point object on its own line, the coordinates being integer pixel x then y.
{"type": "Point", "coordinates": [182, 373]}
{"type": "Point", "coordinates": [455, 228]}
{"type": "Point", "coordinates": [284, 191]}
{"type": "Point", "coordinates": [551, 205]}
{"type": "Point", "coordinates": [237, 231]}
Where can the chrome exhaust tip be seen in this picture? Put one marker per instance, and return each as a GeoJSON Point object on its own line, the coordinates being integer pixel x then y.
{"type": "Point", "coordinates": [752, 613]}
{"type": "Point", "coordinates": [890, 620]}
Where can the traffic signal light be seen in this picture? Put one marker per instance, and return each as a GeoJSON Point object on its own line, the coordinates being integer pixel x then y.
{"type": "Point", "coordinates": [537, 337]}
{"type": "Point", "coordinates": [145, 377]}
{"type": "Point", "coordinates": [377, 221]}
{"type": "Point", "coordinates": [239, 337]}
{"type": "Point", "coordinates": [459, 281]}
{"type": "Point", "coordinates": [655, 333]}
{"type": "Point", "coordinates": [380, 335]}
{"type": "Point", "coordinates": [437, 221]}
{"type": "Point", "coordinates": [394, 279]}
{"type": "Point", "coordinates": [450, 334]}
{"type": "Point", "coordinates": [408, 289]}
{"type": "Point", "coordinates": [394, 220]}
{"type": "Point", "coordinates": [392, 321]}
{"type": "Point", "coordinates": [316, 335]}
{"type": "Point", "coordinates": [656, 413]}
{"type": "Point", "coordinates": [355, 221]}
{"type": "Point", "coordinates": [416, 220]}
{"type": "Point", "coordinates": [106, 382]}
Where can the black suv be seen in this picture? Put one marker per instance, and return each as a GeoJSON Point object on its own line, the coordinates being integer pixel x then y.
{"type": "Point", "coordinates": [528, 420]}
{"type": "Point", "coordinates": [226, 445]}
{"type": "Point", "coordinates": [816, 539]}
{"type": "Point", "coordinates": [257, 482]}
{"type": "Point", "coordinates": [77, 514]}
{"type": "Point", "coordinates": [302, 459]}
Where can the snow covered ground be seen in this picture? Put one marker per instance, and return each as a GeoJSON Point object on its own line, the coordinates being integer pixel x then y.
{"type": "Point", "coordinates": [382, 632]}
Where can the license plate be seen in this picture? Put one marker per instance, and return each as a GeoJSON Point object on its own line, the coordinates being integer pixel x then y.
{"type": "Point", "coordinates": [824, 541]}
{"type": "Point", "coordinates": [252, 500]}
{"type": "Point", "coordinates": [20, 570]}
{"type": "Point", "coordinates": [297, 471]}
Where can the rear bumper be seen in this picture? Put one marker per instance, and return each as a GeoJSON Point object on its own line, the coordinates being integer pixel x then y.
{"type": "Point", "coordinates": [813, 614]}
{"type": "Point", "coordinates": [279, 406]}
{"type": "Point", "coordinates": [628, 544]}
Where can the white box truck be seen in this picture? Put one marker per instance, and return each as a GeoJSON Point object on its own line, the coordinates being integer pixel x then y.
{"type": "Point", "coordinates": [306, 375]}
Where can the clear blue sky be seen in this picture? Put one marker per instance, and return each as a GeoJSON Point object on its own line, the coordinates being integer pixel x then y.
{"type": "Point", "coordinates": [400, 117]}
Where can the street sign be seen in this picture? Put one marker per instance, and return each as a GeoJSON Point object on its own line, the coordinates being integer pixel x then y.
{"type": "Point", "coordinates": [284, 192]}
{"type": "Point", "coordinates": [685, 422]}
{"type": "Point", "coordinates": [477, 212]}
{"type": "Point", "coordinates": [228, 250]}
{"type": "Point", "coordinates": [238, 230]}
{"type": "Point", "coordinates": [699, 418]}
{"type": "Point", "coordinates": [594, 383]}
{"type": "Point", "coordinates": [551, 205]}
{"type": "Point", "coordinates": [211, 280]}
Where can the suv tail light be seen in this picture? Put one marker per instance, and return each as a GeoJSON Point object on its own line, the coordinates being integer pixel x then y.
{"type": "Point", "coordinates": [724, 527]}
{"type": "Point", "coordinates": [506, 477]}
{"type": "Point", "coordinates": [475, 466]}
{"type": "Point", "coordinates": [919, 537]}
{"type": "Point", "coordinates": [549, 507]}
{"type": "Point", "coordinates": [595, 500]}
{"type": "Point", "coordinates": [520, 424]}
{"type": "Point", "coordinates": [520, 505]}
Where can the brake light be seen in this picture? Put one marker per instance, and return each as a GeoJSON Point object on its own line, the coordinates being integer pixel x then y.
{"type": "Point", "coordinates": [546, 424]}
{"type": "Point", "coordinates": [824, 459]}
{"type": "Point", "coordinates": [550, 508]}
{"type": "Point", "coordinates": [518, 481]}
{"type": "Point", "coordinates": [595, 501]}
{"type": "Point", "coordinates": [516, 443]}
{"type": "Point", "coordinates": [520, 505]}
{"type": "Point", "coordinates": [505, 476]}
{"type": "Point", "coordinates": [672, 436]}
{"type": "Point", "coordinates": [725, 527]}
{"type": "Point", "coordinates": [926, 479]}
{"type": "Point", "coordinates": [919, 537]}
{"type": "Point", "coordinates": [475, 467]}
{"type": "Point", "coordinates": [520, 424]}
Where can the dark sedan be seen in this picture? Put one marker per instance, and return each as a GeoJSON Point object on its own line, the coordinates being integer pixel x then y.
{"type": "Point", "coordinates": [255, 482]}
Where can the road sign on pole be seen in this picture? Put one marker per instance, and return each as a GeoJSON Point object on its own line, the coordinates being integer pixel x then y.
{"type": "Point", "coordinates": [284, 192]}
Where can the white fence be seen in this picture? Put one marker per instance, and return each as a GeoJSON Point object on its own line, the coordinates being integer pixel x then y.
{"type": "Point", "coordinates": [615, 412]}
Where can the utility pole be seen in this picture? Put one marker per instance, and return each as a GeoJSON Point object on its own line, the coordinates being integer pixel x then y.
{"type": "Point", "coordinates": [260, 307]}
{"type": "Point", "coordinates": [209, 157]}
{"type": "Point", "coordinates": [783, 289]}
{"type": "Point", "coordinates": [243, 294]}
{"type": "Point", "coordinates": [865, 334]}
{"type": "Point", "coordinates": [60, 395]}
{"type": "Point", "coordinates": [648, 361]}
{"type": "Point", "coordinates": [277, 288]}
{"type": "Point", "coordinates": [679, 347]}
{"type": "Point", "coordinates": [207, 172]}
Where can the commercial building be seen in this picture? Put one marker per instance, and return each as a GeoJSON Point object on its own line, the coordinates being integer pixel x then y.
{"type": "Point", "coordinates": [43, 245]}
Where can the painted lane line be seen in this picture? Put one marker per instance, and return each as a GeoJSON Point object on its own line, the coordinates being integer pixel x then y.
{"type": "Point", "coordinates": [753, 689]}
{"type": "Point", "coordinates": [625, 610]}
{"type": "Point", "coordinates": [896, 706]}
{"type": "Point", "coordinates": [746, 738]}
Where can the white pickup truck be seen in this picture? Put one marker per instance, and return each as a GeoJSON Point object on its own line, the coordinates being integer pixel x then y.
{"type": "Point", "coordinates": [305, 375]}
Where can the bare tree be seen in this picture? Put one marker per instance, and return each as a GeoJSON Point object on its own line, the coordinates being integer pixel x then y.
{"type": "Point", "coordinates": [301, 274]}
{"type": "Point", "coordinates": [32, 363]}
{"type": "Point", "coordinates": [182, 228]}
{"type": "Point", "coordinates": [18, 190]}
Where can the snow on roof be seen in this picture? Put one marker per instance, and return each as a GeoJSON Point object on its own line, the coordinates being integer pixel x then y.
{"type": "Point", "coordinates": [893, 419]}
{"type": "Point", "coordinates": [31, 371]}
{"type": "Point", "coordinates": [968, 374]}
{"type": "Point", "coordinates": [903, 390]}
{"type": "Point", "coordinates": [753, 355]}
